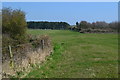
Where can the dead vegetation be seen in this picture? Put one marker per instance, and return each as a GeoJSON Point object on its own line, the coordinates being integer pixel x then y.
{"type": "Point", "coordinates": [26, 55]}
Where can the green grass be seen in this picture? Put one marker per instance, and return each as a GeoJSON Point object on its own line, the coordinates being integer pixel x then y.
{"type": "Point", "coordinates": [79, 55]}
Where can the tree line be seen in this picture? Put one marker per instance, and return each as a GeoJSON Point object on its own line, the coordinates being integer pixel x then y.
{"type": "Point", "coordinates": [47, 25]}
{"type": "Point", "coordinates": [83, 25]}
{"type": "Point", "coordinates": [98, 26]}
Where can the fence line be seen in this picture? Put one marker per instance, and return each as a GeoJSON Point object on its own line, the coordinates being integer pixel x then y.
{"type": "Point", "coordinates": [24, 44]}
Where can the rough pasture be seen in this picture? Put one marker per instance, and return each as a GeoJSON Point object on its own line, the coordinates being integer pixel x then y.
{"type": "Point", "coordinates": [79, 55]}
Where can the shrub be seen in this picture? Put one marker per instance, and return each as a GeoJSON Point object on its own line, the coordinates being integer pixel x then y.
{"type": "Point", "coordinates": [14, 24]}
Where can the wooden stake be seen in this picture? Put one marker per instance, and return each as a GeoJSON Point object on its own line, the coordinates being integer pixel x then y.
{"type": "Point", "coordinates": [11, 57]}
{"type": "Point", "coordinates": [42, 44]}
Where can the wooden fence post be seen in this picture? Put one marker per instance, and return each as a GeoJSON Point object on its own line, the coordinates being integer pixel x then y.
{"type": "Point", "coordinates": [11, 57]}
{"type": "Point", "coordinates": [43, 44]}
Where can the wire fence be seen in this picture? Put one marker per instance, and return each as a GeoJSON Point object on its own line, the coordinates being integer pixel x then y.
{"type": "Point", "coordinates": [31, 43]}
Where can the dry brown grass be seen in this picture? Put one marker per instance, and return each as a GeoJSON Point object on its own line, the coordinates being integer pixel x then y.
{"type": "Point", "coordinates": [27, 55]}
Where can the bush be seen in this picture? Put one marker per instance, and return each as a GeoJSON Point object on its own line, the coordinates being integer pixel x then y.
{"type": "Point", "coordinates": [14, 24]}
{"type": "Point", "coordinates": [14, 28]}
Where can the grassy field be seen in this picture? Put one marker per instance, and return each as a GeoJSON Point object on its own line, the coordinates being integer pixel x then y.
{"type": "Point", "coordinates": [79, 55]}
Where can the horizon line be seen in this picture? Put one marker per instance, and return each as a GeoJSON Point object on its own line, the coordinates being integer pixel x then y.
{"type": "Point", "coordinates": [67, 21]}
